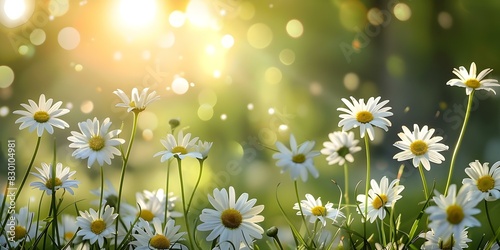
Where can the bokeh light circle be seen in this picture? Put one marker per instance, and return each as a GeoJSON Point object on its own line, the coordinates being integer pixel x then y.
{"type": "Point", "coordinates": [69, 38]}
{"type": "Point", "coordinates": [177, 18]}
{"type": "Point", "coordinates": [402, 11]}
{"type": "Point", "coordinates": [273, 75]}
{"type": "Point", "coordinates": [205, 112]}
{"type": "Point", "coordinates": [294, 28]}
{"type": "Point", "coordinates": [227, 41]}
{"type": "Point", "coordinates": [180, 85]}
{"type": "Point", "coordinates": [287, 56]}
{"type": "Point", "coordinates": [6, 76]}
{"type": "Point", "coordinates": [351, 81]}
{"type": "Point", "coordinates": [352, 14]}
{"type": "Point", "coordinates": [4, 111]}
{"type": "Point", "coordinates": [259, 35]}
{"type": "Point", "coordinates": [37, 37]}
{"type": "Point", "coordinates": [87, 107]}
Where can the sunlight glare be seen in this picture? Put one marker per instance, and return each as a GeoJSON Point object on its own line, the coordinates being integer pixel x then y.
{"type": "Point", "coordinates": [14, 9]}
{"type": "Point", "coordinates": [135, 13]}
{"type": "Point", "coordinates": [199, 14]}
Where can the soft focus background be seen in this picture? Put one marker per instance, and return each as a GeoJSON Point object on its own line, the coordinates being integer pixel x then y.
{"type": "Point", "coordinates": [245, 74]}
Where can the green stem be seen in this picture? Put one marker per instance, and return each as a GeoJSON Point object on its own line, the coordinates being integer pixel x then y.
{"type": "Point", "coordinates": [460, 137]}
{"type": "Point", "coordinates": [124, 167]}
{"type": "Point", "coordinates": [55, 229]}
{"type": "Point", "coordinates": [29, 168]}
{"type": "Point", "coordinates": [166, 191]}
{"type": "Point", "coordinates": [184, 208]}
{"type": "Point", "coordinates": [346, 187]}
{"type": "Point", "coordinates": [489, 220]}
{"type": "Point", "coordinates": [424, 182]}
{"type": "Point", "coordinates": [367, 184]}
{"type": "Point", "coordinates": [197, 183]}
{"type": "Point", "coordinates": [101, 196]}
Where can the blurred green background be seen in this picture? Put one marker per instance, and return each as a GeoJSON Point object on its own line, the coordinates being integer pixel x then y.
{"type": "Point", "coordinates": [245, 74]}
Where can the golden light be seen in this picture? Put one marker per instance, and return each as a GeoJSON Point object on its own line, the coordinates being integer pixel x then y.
{"type": "Point", "coordinates": [137, 13]}
{"type": "Point", "coordinates": [177, 18]}
{"type": "Point", "coordinates": [199, 14]}
{"type": "Point", "coordinates": [14, 9]}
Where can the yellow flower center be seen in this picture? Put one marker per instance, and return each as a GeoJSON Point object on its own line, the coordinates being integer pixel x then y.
{"type": "Point", "coordinates": [455, 214]}
{"type": "Point", "coordinates": [159, 242]}
{"type": "Point", "coordinates": [418, 147]}
{"type": "Point", "coordinates": [19, 233]}
{"type": "Point", "coordinates": [485, 183]}
{"type": "Point", "coordinates": [364, 116]}
{"type": "Point", "coordinates": [300, 158]}
{"type": "Point", "coordinates": [472, 83]}
{"type": "Point", "coordinates": [96, 143]}
{"type": "Point", "coordinates": [51, 183]}
{"type": "Point", "coordinates": [231, 218]}
{"type": "Point", "coordinates": [379, 201]}
{"type": "Point", "coordinates": [41, 116]}
{"type": "Point", "coordinates": [97, 226]}
{"type": "Point", "coordinates": [68, 236]}
{"type": "Point", "coordinates": [146, 215]}
{"type": "Point", "coordinates": [132, 104]}
{"type": "Point", "coordinates": [179, 149]}
{"type": "Point", "coordinates": [318, 211]}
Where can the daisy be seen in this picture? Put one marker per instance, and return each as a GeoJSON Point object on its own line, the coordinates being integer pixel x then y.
{"type": "Point", "coordinates": [390, 246]}
{"type": "Point", "coordinates": [25, 228]}
{"type": "Point", "coordinates": [365, 116]}
{"type": "Point", "coordinates": [110, 195]}
{"type": "Point", "coordinates": [340, 148]}
{"type": "Point", "coordinates": [420, 146]}
{"type": "Point", "coordinates": [136, 103]}
{"type": "Point", "coordinates": [182, 148]}
{"type": "Point", "coordinates": [161, 196]}
{"type": "Point", "coordinates": [483, 182]}
{"type": "Point", "coordinates": [299, 158]}
{"type": "Point", "coordinates": [455, 242]}
{"type": "Point", "coordinates": [61, 179]}
{"type": "Point", "coordinates": [380, 197]}
{"type": "Point", "coordinates": [315, 210]}
{"type": "Point", "coordinates": [95, 142]}
{"type": "Point", "coordinates": [203, 148]}
{"type": "Point", "coordinates": [156, 237]}
{"type": "Point", "coordinates": [453, 213]}
{"type": "Point", "coordinates": [95, 226]}
{"type": "Point", "coordinates": [470, 81]}
{"type": "Point", "coordinates": [67, 229]}
{"type": "Point", "coordinates": [233, 220]}
{"type": "Point", "coordinates": [41, 116]}
{"type": "Point", "coordinates": [147, 209]}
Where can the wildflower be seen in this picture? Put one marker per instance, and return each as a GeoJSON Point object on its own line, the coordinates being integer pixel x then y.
{"type": "Point", "coordinates": [233, 220]}
{"type": "Point", "coordinates": [110, 195]}
{"type": "Point", "coordinates": [95, 142]}
{"type": "Point", "coordinates": [380, 197]}
{"type": "Point", "coordinates": [95, 226]}
{"type": "Point", "coordinates": [390, 246]}
{"type": "Point", "coordinates": [299, 158]}
{"type": "Point", "coordinates": [61, 179]}
{"type": "Point", "coordinates": [315, 210]}
{"type": "Point", "coordinates": [340, 148]}
{"type": "Point", "coordinates": [470, 81]}
{"type": "Point", "coordinates": [147, 209]}
{"type": "Point", "coordinates": [453, 213]}
{"type": "Point", "coordinates": [203, 148]}
{"type": "Point", "coordinates": [161, 196]}
{"type": "Point", "coordinates": [449, 241]}
{"type": "Point", "coordinates": [25, 228]}
{"type": "Point", "coordinates": [420, 146]}
{"type": "Point", "coordinates": [137, 103]}
{"type": "Point", "coordinates": [483, 182]}
{"type": "Point", "coordinates": [365, 116]}
{"type": "Point", "coordinates": [67, 229]}
{"type": "Point", "coordinates": [156, 237]}
{"type": "Point", "coordinates": [182, 148]}
{"type": "Point", "coordinates": [41, 116]}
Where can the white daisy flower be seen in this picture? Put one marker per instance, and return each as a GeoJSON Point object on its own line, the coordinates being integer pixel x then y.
{"type": "Point", "coordinates": [420, 146]}
{"type": "Point", "coordinates": [483, 181]}
{"type": "Point", "coordinates": [380, 197]}
{"type": "Point", "coordinates": [365, 116]}
{"type": "Point", "coordinates": [67, 229]}
{"type": "Point", "coordinates": [147, 209]}
{"type": "Point", "coordinates": [137, 102]}
{"type": "Point", "coordinates": [61, 179]}
{"type": "Point", "coordinates": [390, 246]}
{"type": "Point", "coordinates": [299, 159]}
{"type": "Point", "coordinates": [203, 148]}
{"type": "Point", "coordinates": [96, 226]}
{"type": "Point", "coordinates": [453, 213]}
{"type": "Point", "coordinates": [25, 228]}
{"type": "Point", "coordinates": [41, 116]}
{"type": "Point", "coordinates": [182, 148]}
{"type": "Point", "coordinates": [110, 195]}
{"type": "Point", "coordinates": [161, 196]}
{"type": "Point", "coordinates": [470, 81]}
{"type": "Point", "coordinates": [455, 242]}
{"type": "Point", "coordinates": [233, 220]}
{"type": "Point", "coordinates": [315, 210]}
{"type": "Point", "coordinates": [95, 142]}
{"type": "Point", "coordinates": [153, 236]}
{"type": "Point", "coordinates": [340, 148]}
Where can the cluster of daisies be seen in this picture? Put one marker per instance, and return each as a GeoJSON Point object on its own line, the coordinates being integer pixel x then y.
{"type": "Point", "coordinates": [233, 221]}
